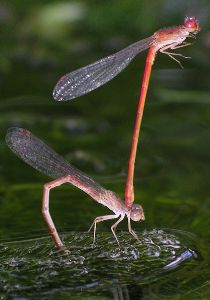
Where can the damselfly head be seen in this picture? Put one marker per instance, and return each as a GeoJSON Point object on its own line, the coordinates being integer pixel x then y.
{"type": "Point", "coordinates": [137, 213]}
{"type": "Point", "coordinates": [192, 24]}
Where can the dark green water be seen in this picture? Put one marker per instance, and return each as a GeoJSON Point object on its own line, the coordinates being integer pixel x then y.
{"type": "Point", "coordinates": [45, 40]}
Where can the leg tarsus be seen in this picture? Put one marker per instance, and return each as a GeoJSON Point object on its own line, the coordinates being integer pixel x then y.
{"type": "Point", "coordinates": [134, 235]}
{"type": "Point", "coordinates": [176, 54]}
{"type": "Point", "coordinates": [114, 226]}
{"type": "Point", "coordinates": [184, 44]}
{"type": "Point", "coordinates": [131, 230]}
{"type": "Point", "coordinates": [98, 220]}
{"type": "Point", "coordinates": [172, 54]}
{"type": "Point", "coordinates": [91, 226]}
{"type": "Point", "coordinates": [174, 59]}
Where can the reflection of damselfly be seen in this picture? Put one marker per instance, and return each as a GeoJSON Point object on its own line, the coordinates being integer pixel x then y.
{"type": "Point", "coordinates": [90, 77]}
{"type": "Point", "coordinates": [41, 157]}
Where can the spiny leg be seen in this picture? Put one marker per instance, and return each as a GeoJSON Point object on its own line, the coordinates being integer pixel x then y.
{"type": "Point", "coordinates": [95, 220]}
{"type": "Point", "coordinates": [98, 220]}
{"type": "Point", "coordinates": [136, 237]}
{"type": "Point", "coordinates": [184, 44]}
{"type": "Point", "coordinates": [131, 230]}
{"type": "Point", "coordinates": [172, 54]}
{"type": "Point", "coordinates": [169, 54]}
{"type": "Point", "coordinates": [192, 35]}
{"type": "Point", "coordinates": [174, 46]}
{"type": "Point", "coordinates": [114, 226]}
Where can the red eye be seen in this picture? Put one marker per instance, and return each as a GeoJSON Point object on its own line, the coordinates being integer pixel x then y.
{"type": "Point", "coordinates": [191, 22]}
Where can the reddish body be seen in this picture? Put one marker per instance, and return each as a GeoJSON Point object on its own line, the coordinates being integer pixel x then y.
{"type": "Point", "coordinates": [169, 38]}
{"type": "Point", "coordinates": [37, 154]}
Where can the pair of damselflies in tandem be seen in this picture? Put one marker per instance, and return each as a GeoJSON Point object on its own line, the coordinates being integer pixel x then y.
{"type": "Point", "coordinates": [77, 83]}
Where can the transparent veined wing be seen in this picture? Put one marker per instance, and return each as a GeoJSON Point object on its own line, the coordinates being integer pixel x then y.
{"type": "Point", "coordinates": [91, 77]}
{"type": "Point", "coordinates": [44, 159]}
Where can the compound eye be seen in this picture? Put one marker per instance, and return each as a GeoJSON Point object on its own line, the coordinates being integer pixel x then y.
{"type": "Point", "coordinates": [137, 213]}
{"type": "Point", "coordinates": [191, 22]}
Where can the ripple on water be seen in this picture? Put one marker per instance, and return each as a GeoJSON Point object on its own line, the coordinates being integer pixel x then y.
{"type": "Point", "coordinates": [33, 267]}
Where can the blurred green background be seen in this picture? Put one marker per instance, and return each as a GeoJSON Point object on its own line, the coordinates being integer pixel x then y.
{"type": "Point", "coordinates": [43, 40]}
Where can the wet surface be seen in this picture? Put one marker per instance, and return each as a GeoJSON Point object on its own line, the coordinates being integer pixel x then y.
{"type": "Point", "coordinates": [30, 267]}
